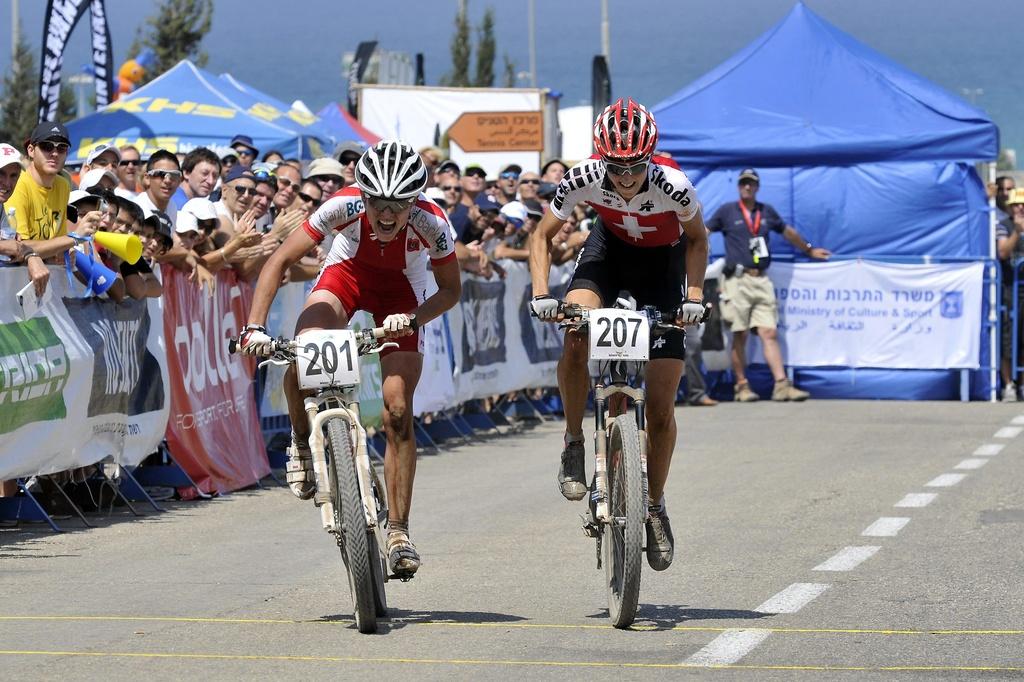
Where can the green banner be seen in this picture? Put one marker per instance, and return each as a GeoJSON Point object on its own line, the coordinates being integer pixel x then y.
{"type": "Point", "coordinates": [34, 369]}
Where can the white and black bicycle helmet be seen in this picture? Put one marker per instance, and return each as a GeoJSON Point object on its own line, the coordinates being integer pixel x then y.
{"type": "Point", "coordinates": [391, 170]}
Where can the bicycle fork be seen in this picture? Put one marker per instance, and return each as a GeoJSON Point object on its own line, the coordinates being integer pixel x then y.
{"type": "Point", "coordinates": [357, 436]}
{"type": "Point", "coordinates": [599, 513]}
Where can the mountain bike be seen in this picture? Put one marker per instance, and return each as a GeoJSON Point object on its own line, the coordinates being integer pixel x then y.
{"type": "Point", "coordinates": [351, 497]}
{"type": "Point", "coordinates": [619, 346]}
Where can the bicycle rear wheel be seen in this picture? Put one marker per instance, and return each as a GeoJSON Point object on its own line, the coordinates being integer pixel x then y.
{"type": "Point", "coordinates": [623, 544]}
{"type": "Point", "coordinates": [349, 517]}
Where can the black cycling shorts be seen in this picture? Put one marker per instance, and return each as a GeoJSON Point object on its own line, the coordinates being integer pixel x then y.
{"type": "Point", "coordinates": [653, 276]}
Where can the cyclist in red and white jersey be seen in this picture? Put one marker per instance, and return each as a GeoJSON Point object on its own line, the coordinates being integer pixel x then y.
{"type": "Point", "coordinates": [386, 231]}
{"type": "Point", "coordinates": [650, 241]}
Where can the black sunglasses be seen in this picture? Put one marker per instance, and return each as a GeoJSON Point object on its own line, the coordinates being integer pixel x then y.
{"type": "Point", "coordinates": [251, 191]}
{"type": "Point", "coordinates": [336, 179]}
{"type": "Point", "coordinates": [244, 152]}
{"type": "Point", "coordinates": [308, 199]}
{"type": "Point", "coordinates": [348, 159]}
{"type": "Point", "coordinates": [50, 147]}
{"type": "Point", "coordinates": [207, 226]}
{"type": "Point", "coordinates": [130, 162]}
{"type": "Point", "coordinates": [529, 182]}
{"type": "Point", "coordinates": [451, 188]}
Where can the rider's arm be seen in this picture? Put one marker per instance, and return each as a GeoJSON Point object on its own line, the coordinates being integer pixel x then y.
{"type": "Point", "coordinates": [696, 255]}
{"type": "Point", "coordinates": [540, 251]}
{"type": "Point", "coordinates": [288, 254]}
{"type": "Point", "coordinates": [449, 289]}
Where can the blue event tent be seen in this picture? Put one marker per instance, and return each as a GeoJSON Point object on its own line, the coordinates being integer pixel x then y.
{"type": "Point", "coordinates": [343, 126]}
{"type": "Point", "coordinates": [859, 154]}
{"type": "Point", "coordinates": [187, 107]}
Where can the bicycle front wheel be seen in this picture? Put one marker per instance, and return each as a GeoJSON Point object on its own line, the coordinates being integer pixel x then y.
{"type": "Point", "coordinates": [350, 519]}
{"type": "Point", "coordinates": [623, 544]}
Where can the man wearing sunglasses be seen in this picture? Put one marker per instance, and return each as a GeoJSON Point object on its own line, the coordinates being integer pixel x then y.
{"type": "Point", "coordinates": [245, 149]}
{"type": "Point", "coordinates": [386, 231]}
{"type": "Point", "coordinates": [160, 182]}
{"type": "Point", "coordinates": [128, 169]}
{"type": "Point", "coordinates": [508, 183]}
{"type": "Point", "coordinates": [40, 199]}
{"type": "Point", "coordinates": [651, 241]}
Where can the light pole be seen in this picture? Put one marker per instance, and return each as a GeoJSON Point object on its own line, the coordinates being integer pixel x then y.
{"type": "Point", "coordinates": [606, 42]}
{"type": "Point", "coordinates": [532, 18]}
{"type": "Point", "coordinates": [15, 28]}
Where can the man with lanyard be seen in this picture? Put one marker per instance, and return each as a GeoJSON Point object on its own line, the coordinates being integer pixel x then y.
{"type": "Point", "coordinates": [386, 231]}
{"type": "Point", "coordinates": [748, 296]}
{"type": "Point", "coordinates": [651, 236]}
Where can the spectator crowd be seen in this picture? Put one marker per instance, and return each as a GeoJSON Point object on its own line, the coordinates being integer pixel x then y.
{"type": "Point", "coordinates": [200, 213]}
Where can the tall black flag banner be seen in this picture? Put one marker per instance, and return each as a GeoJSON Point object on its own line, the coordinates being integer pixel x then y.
{"type": "Point", "coordinates": [356, 71]}
{"type": "Point", "coordinates": [600, 85]}
{"type": "Point", "coordinates": [60, 19]}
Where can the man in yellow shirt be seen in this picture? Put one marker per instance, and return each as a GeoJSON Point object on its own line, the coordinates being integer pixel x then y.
{"type": "Point", "coordinates": [40, 199]}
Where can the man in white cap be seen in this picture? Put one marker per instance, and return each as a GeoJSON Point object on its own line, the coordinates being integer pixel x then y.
{"type": "Point", "coordinates": [102, 178]}
{"type": "Point", "coordinates": [328, 173]}
{"type": "Point", "coordinates": [103, 157]}
{"type": "Point", "coordinates": [13, 252]}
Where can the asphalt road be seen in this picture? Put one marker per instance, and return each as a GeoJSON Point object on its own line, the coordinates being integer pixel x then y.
{"type": "Point", "coordinates": [774, 576]}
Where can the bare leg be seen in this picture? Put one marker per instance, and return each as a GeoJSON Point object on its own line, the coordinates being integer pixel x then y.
{"type": "Point", "coordinates": [739, 355]}
{"type": "Point", "coordinates": [323, 310]}
{"type": "Point", "coordinates": [401, 371]}
{"type": "Point", "coordinates": [663, 377]}
{"type": "Point", "coordinates": [573, 377]}
{"type": "Point", "coordinates": [772, 352]}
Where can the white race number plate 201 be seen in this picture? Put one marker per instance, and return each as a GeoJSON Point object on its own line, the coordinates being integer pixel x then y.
{"type": "Point", "coordinates": [327, 357]}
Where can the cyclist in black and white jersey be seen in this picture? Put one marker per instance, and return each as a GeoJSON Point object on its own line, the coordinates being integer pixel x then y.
{"type": "Point", "coordinates": [650, 241]}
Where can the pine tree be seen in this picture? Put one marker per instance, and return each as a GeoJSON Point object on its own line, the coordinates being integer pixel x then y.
{"type": "Point", "coordinates": [18, 107]}
{"type": "Point", "coordinates": [174, 33]}
{"type": "Point", "coordinates": [460, 47]}
{"type": "Point", "coordinates": [485, 51]}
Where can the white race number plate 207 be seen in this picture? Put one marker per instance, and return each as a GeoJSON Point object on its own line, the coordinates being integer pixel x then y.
{"type": "Point", "coordinates": [617, 334]}
{"type": "Point", "coordinates": [327, 357]}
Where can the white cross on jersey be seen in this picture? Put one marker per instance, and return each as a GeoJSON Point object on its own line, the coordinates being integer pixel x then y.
{"type": "Point", "coordinates": [634, 228]}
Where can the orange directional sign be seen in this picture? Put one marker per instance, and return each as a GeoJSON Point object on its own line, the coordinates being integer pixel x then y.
{"type": "Point", "coordinates": [498, 131]}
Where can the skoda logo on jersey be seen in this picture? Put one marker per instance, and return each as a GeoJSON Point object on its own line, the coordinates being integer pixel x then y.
{"type": "Point", "coordinates": [952, 304]}
{"type": "Point", "coordinates": [677, 195]}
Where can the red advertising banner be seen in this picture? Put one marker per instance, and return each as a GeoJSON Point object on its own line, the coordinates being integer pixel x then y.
{"type": "Point", "coordinates": [214, 429]}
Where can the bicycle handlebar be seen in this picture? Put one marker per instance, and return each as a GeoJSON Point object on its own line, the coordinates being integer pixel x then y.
{"type": "Point", "coordinates": [576, 312]}
{"type": "Point", "coordinates": [364, 337]}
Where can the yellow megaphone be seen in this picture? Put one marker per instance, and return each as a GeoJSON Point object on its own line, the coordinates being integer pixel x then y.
{"type": "Point", "coordinates": [127, 247]}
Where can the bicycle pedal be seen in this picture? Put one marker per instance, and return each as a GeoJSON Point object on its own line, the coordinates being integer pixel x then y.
{"type": "Point", "coordinates": [590, 529]}
{"type": "Point", "coordinates": [404, 577]}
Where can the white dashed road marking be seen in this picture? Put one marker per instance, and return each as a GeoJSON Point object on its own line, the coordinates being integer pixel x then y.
{"type": "Point", "coordinates": [728, 647]}
{"type": "Point", "coordinates": [989, 449]}
{"type": "Point", "coordinates": [972, 463]}
{"type": "Point", "coordinates": [916, 500]}
{"type": "Point", "coordinates": [1018, 420]}
{"type": "Point", "coordinates": [793, 598]}
{"type": "Point", "coordinates": [945, 481]}
{"type": "Point", "coordinates": [847, 559]}
{"type": "Point", "coordinates": [1009, 432]}
{"type": "Point", "coordinates": [886, 527]}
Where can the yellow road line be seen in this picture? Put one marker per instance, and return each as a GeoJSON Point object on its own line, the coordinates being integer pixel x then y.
{"type": "Point", "coordinates": [517, 625]}
{"type": "Point", "coordinates": [487, 662]}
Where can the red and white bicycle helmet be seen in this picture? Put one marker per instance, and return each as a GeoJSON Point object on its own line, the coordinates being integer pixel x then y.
{"type": "Point", "coordinates": [625, 131]}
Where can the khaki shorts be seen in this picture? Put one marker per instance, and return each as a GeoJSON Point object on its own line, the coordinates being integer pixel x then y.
{"type": "Point", "coordinates": [748, 301]}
